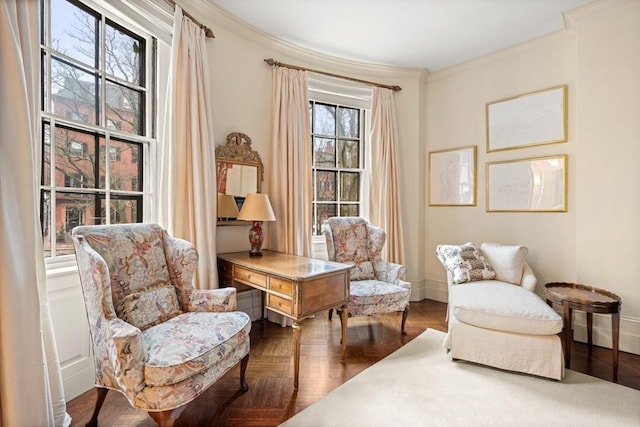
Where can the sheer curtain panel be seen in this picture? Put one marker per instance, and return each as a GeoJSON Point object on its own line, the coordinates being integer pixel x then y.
{"type": "Point", "coordinates": [31, 391]}
{"type": "Point", "coordinates": [187, 183]}
{"type": "Point", "coordinates": [384, 196]}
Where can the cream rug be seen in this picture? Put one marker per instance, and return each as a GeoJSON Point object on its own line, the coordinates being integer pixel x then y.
{"type": "Point", "coordinates": [419, 385]}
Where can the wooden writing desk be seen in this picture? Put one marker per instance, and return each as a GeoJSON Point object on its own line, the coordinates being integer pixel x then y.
{"type": "Point", "coordinates": [296, 287]}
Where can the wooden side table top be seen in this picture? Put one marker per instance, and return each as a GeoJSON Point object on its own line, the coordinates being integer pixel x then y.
{"type": "Point", "coordinates": [583, 296]}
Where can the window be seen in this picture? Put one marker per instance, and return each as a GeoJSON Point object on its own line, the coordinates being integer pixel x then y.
{"type": "Point", "coordinates": [96, 121]}
{"type": "Point", "coordinates": [338, 161]}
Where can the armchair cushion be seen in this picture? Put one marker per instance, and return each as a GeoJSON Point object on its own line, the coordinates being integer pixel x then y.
{"type": "Point", "coordinates": [506, 261]}
{"type": "Point", "coordinates": [373, 296]}
{"type": "Point", "coordinates": [152, 305]}
{"type": "Point", "coordinates": [464, 263]}
{"type": "Point", "coordinates": [191, 343]}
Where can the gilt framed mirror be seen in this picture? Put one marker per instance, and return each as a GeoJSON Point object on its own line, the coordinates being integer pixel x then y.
{"type": "Point", "coordinates": [239, 171]}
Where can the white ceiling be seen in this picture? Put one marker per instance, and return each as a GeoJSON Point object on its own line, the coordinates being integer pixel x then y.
{"type": "Point", "coordinates": [431, 34]}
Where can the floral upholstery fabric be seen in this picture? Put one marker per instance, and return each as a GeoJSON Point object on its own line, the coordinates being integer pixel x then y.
{"type": "Point", "coordinates": [353, 240]}
{"type": "Point", "coordinates": [464, 263]}
{"type": "Point", "coordinates": [152, 305]}
{"type": "Point", "coordinates": [169, 364]}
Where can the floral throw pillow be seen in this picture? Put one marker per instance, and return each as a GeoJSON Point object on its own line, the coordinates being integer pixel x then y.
{"type": "Point", "coordinates": [362, 271]}
{"type": "Point", "coordinates": [152, 305]}
{"type": "Point", "coordinates": [464, 263]}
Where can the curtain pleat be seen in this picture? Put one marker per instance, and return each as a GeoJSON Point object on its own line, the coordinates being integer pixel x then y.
{"type": "Point", "coordinates": [384, 196]}
{"type": "Point", "coordinates": [290, 183]}
{"type": "Point", "coordinates": [31, 392]}
{"type": "Point", "coordinates": [187, 178]}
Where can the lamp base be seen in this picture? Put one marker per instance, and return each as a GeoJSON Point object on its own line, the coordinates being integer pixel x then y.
{"type": "Point", "coordinates": [256, 237]}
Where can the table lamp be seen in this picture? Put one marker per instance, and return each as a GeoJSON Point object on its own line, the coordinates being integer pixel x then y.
{"type": "Point", "coordinates": [256, 208]}
{"type": "Point", "coordinates": [227, 207]}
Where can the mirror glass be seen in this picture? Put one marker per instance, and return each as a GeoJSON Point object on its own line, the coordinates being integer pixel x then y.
{"type": "Point", "coordinates": [239, 171]}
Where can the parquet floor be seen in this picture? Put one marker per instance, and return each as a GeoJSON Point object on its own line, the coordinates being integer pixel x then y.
{"type": "Point", "coordinates": [271, 398]}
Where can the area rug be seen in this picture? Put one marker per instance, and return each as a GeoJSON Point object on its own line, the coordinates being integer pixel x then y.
{"type": "Point", "coordinates": [419, 385]}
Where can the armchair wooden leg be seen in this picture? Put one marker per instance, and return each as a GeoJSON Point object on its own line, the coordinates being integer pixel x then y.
{"type": "Point", "coordinates": [330, 313]}
{"type": "Point", "coordinates": [101, 393]}
{"type": "Point", "coordinates": [243, 370]}
{"type": "Point", "coordinates": [405, 313]}
{"type": "Point", "coordinates": [166, 418]}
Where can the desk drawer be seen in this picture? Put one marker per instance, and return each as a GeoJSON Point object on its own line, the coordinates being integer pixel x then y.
{"type": "Point", "coordinates": [280, 285]}
{"type": "Point", "coordinates": [249, 276]}
{"type": "Point", "coordinates": [278, 303]}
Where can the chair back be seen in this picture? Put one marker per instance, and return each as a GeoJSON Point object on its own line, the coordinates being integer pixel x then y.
{"type": "Point", "coordinates": [134, 255]}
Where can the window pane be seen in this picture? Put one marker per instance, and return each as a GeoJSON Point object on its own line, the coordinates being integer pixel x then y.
{"type": "Point", "coordinates": [349, 122]}
{"type": "Point", "coordinates": [46, 154]}
{"type": "Point", "coordinates": [71, 210]}
{"type": "Point", "coordinates": [349, 210]}
{"type": "Point", "coordinates": [123, 108]}
{"type": "Point", "coordinates": [125, 173]}
{"type": "Point", "coordinates": [74, 32]}
{"type": "Point", "coordinates": [348, 154]}
{"type": "Point", "coordinates": [45, 220]}
{"type": "Point", "coordinates": [323, 213]}
{"type": "Point", "coordinates": [75, 155]}
{"type": "Point", "coordinates": [73, 92]}
{"type": "Point", "coordinates": [325, 186]}
{"type": "Point", "coordinates": [349, 186]}
{"type": "Point", "coordinates": [324, 151]}
{"type": "Point", "coordinates": [124, 211]}
{"type": "Point", "coordinates": [123, 55]}
{"type": "Point", "coordinates": [324, 119]}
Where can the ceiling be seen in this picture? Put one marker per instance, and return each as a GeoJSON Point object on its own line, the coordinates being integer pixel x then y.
{"type": "Point", "coordinates": [431, 34]}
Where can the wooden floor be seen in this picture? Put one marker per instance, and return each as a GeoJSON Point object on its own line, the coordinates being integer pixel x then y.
{"type": "Point", "coordinates": [271, 398]}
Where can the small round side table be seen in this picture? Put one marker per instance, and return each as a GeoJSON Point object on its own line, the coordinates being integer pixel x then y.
{"type": "Point", "coordinates": [572, 296]}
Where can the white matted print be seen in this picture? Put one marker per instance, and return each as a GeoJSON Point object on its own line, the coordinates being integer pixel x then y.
{"type": "Point", "coordinates": [452, 177]}
{"type": "Point", "coordinates": [531, 119]}
{"type": "Point", "coordinates": [527, 185]}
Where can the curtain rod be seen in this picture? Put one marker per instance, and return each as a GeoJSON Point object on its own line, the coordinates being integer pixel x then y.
{"type": "Point", "coordinates": [272, 62]}
{"type": "Point", "coordinates": [207, 31]}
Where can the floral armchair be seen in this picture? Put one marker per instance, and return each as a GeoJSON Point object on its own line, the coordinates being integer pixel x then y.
{"type": "Point", "coordinates": [156, 339]}
{"type": "Point", "coordinates": [376, 285]}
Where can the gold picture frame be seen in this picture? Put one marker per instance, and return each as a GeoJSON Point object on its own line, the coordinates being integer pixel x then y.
{"type": "Point", "coordinates": [536, 184]}
{"type": "Point", "coordinates": [534, 118]}
{"type": "Point", "coordinates": [452, 177]}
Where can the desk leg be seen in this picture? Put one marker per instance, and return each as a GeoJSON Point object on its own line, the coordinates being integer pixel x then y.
{"type": "Point", "coordinates": [567, 311]}
{"type": "Point", "coordinates": [343, 342]}
{"type": "Point", "coordinates": [590, 331]}
{"type": "Point", "coordinates": [296, 353]}
{"type": "Point", "coordinates": [615, 334]}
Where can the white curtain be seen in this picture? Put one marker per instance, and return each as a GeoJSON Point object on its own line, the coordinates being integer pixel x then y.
{"type": "Point", "coordinates": [384, 196]}
{"type": "Point", "coordinates": [187, 178]}
{"type": "Point", "coordinates": [31, 391]}
{"type": "Point", "coordinates": [290, 183]}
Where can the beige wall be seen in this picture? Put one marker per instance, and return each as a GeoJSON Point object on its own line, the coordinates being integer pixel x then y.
{"type": "Point", "coordinates": [596, 242]}
{"type": "Point", "coordinates": [597, 56]}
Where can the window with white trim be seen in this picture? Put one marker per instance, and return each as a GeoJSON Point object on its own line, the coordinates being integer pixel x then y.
{"type": "Point", "coordinates": [339, 113]}
{"type": "Point", "coordinates": [98, 97]}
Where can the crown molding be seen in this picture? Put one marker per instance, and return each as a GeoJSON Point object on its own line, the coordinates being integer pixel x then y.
{"type": "Point", "coordinates": [571, 17]}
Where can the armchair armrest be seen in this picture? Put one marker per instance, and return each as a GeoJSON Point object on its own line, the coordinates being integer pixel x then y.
{"type": "Point", "coordinates": [129, 355]}
{"type": "Point", "coordinates": [223, 299]}
{"type": "Point", "coordinates": [388, 271]}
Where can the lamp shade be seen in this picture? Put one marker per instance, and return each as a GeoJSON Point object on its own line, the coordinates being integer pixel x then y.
{"type": "Point", "coordinates": [227, 207]}
{"type": "Point", "coordinates": [256, 207]}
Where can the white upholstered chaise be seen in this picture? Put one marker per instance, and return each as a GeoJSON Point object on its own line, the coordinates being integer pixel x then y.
{"type": "Point", "coordinates": [499, 321]}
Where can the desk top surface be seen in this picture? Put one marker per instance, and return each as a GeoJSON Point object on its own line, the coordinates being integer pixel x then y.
{"type": "Point", "coordinates": [291, 266]}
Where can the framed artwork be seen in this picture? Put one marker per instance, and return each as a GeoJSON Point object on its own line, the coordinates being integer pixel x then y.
{"type": "Point", "coordinates": [452, 177]}
{"type": "Point", "coordinates": [532, 119]}
{"type": "Point", "coordinates": [527, 185]}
